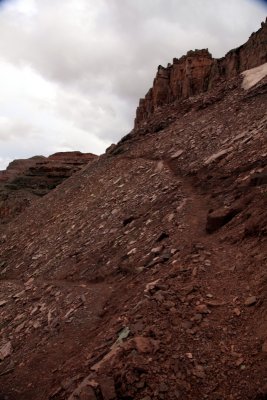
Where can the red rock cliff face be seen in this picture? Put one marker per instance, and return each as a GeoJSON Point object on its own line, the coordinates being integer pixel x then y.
{"type": "Point", "coordinates": [197, 71]}
{"type": "Point", "coordinates": [25, 180]}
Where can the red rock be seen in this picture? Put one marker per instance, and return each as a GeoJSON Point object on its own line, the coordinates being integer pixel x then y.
{"type": "Point", "coordinates": [25, 180]}
{"type": "Point", "coordinates": [5, 350]}
{"type": "Point", "coordinates": [177, 154]}
{"type": "Point", "coordinates": [107, 388]}
{"type": "Point", "coordinates": [87, 393]}
{"type": "Point", "coordinates": [217, 219]}
{"type": "Point", "coordinates": [185, 77]}
{"type": "Point", "coordinates": [250, 301]}
{"type": "Point", "coordinates": [143, 344]}
{"type": "Point", "coordinates": [197, 72]}
{"type": "Point", "coordinates": [217, 156]}
{"type": "Point", "coordinates": [202, 309]}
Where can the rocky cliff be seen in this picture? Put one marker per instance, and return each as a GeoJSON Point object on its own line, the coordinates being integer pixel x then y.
{"type": "Point", "coordinates": [197, 72]}
{"type": "Point", "coordinates": [25, 180]}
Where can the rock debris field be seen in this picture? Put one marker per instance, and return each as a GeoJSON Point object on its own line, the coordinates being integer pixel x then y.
{"type": "Point", "coordinates": [142, 276]}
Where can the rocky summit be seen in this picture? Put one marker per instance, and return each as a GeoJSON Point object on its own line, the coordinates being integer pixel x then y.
{"type": "Point", "coordinates": [197, 72]}
{"type": "Point", "coordinates": [142, 276]}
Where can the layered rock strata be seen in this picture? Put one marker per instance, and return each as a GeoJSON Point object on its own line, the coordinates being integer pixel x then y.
{"type": "Point", "coordinates": [25, 180]}
{"type": "Point", "coordinates": [198, 71]}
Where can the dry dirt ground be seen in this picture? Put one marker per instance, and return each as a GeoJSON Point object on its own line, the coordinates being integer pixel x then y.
{"type": "Point", "coordinates": [143, 276]}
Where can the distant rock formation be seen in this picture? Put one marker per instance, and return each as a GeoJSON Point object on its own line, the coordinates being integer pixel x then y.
{"type": "Point", "coordinates": [197, 72]}
{"type": "Point", "coordinates": [26, 179]}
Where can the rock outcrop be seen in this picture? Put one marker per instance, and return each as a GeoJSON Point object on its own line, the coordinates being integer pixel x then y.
{"type": "Point", "coordinates": [25, 180]}
{"type": "Point", "coordinates": [197, 72]}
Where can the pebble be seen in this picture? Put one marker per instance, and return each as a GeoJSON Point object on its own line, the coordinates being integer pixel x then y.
{"type": "Point", "coordinates": [169, 304]}
{"type": "Point", "coordinates": [132, 251]}
{"type": "Point", "coordinates": [250, 301]}
{"type": "Point", "coordinates": [202, 309]}
{"type": "Point", "coordinates": [5, 350]}
{"type": "Point", "coordinates": [177, 154]}
{"type": "Point", "coordinates": [144, 345]}
{"type": "Point", "coordinates": [163, 388]}
{"type": "Point", "coordinates": [170, 217]}
{"type": "Point", "coordinates": [198, 318]}
{"type": "Point", "coordinates": [237, 311]}
{"type": "Point", "coordinates": [199, 371]}
{"type": "Point", "coordinates": [157, 250]}
{"type": "Point", "coordinates": [209, 295]}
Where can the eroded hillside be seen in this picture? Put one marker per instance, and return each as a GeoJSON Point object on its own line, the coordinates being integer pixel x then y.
{"type": "Point", "coordinates": [143, 276]}
{"type": "Point", "coordinates": [24, 181]}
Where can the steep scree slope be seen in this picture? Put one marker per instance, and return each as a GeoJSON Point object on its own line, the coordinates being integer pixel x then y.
{"type": "Point", "coordinates": [144, 275]}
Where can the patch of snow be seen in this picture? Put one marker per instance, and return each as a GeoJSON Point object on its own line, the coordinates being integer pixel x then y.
{"type": "Point", "coordinates": [253, 76]}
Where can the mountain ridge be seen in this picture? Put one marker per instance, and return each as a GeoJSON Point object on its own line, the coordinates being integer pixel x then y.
{"type": "Point", "coordinates": [26, 180]}
{"type": "Point", "coordinates": [197, 72]}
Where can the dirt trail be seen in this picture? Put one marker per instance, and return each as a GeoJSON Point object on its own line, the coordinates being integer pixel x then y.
{"type": "Point", "coordinates": [210, 321]}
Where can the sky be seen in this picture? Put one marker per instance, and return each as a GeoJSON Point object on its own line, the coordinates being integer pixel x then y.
{"type": "Point", "coordinates": [72, 71]}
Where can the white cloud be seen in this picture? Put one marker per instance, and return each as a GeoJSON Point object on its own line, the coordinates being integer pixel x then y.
{"type": "Point", "coordinates": [4, 161]}
{"type": "Point", "coordinates": [71, 72]}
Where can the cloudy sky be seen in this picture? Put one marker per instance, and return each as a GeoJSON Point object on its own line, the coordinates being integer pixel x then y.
{"type": "Point", "coordinates": [72, 71]}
